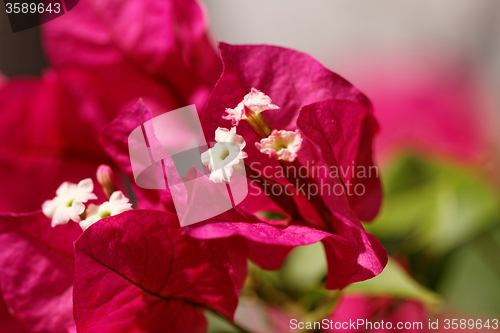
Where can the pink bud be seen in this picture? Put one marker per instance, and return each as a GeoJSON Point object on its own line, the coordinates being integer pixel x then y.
{"type": "Point", "coordinates": [106, 178]}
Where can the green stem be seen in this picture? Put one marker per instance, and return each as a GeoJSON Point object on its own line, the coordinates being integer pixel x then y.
{"type": "Point", "coordinates": [239, 328]}
{"type": "Point", "coordinates": [324, 310]}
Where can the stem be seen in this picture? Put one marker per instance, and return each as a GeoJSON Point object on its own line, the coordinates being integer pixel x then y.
{"type": "Point", "coordinates": [230, 322]}
{"type": "Point", "coordinates": [324, 310]}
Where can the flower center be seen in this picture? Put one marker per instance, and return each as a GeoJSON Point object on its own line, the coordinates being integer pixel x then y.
{"type": "Point", "coordinates": [70, 203]}
{"type": "Point", "coordinates": [224, 153]}
{"type": "Point", "coordinates": [105, 214]}
{"type": "Point", "coordinates": [281, 145]}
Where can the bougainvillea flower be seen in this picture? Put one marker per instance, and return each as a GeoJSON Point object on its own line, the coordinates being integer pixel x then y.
{"type": "Point", "coordinates": [105, 177]}
{"type": "Point", "coordinates": [69, 202]}
{"type": "Point", "coordinates": [253, 103]}
{"type": "Point", "coordinates": [118, 203]}
{"type": "Point", "coordinates": [372, 311]}
{"type": "Point", "coordinates": [37, 264]}
{"type": "Point", "coordinates": [327, 109]}
{"type": "Point", "coordinates": [229, 147]}
{"type": "Point", "coordinates": [353, 255]}
{"type": "Point", "coordinates": [137, 272]}
{"type": "Point", "coordinates": [337, 126]}
{"type": "Point", "coordinates": [281, 145]}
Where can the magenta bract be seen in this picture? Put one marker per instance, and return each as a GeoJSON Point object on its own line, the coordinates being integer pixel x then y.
{"type": "Point", "coordinates": [138, 272]}
{"type": "Point", "coordinates": [37, 263]}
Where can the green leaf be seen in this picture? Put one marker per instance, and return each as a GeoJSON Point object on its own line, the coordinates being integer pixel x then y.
{"type": "Point", "coordinates": [218, 325]}
{"type": "Point", "coordinates": [434, 206]}
{"type": "Point", "coordinates": [305, 267]}
{"type": "Point", "coordinates": [395, 282]}
{"type": "Point", "coordinates": [471, 280]}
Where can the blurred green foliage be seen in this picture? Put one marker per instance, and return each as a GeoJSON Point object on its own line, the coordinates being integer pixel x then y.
{"type": "Point", "coordinates": [433, 207]}
{"type": "Point", "coordinates": [445, 218]}
{"type": "Point", "coordinates": [395, 282]}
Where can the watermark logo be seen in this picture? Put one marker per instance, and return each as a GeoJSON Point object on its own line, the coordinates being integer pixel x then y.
{"type": "Point", "coordinates": [26, 14]}
{"type": "Point", "coordinates": [166, 151]}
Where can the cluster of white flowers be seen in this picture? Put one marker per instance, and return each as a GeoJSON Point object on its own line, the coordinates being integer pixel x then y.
{"type": "Point", "coordinates": [69, 204]}
{"type": "Point", "coordinates": [228, 151]}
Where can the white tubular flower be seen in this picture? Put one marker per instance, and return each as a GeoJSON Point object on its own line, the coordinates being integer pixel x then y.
{"type": "Point", "coordinates": [227, 153]}
{"type": "Point", "coordinates": [281, 145]}
{"type": "Point", "coordinates": [68, 203]}
{"type": "Point", "coordinates": [253, 103]}
{"type": "Point", "coordinates": [118, 203]}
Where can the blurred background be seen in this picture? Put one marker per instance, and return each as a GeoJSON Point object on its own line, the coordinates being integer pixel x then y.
{"type": "Point", "coordinates": [432, 70]}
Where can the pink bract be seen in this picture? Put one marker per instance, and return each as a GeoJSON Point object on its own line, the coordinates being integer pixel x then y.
{"type": "Point", "coordinates": [297, 83]}
{"type": "Point", "coordinates": [155, 50]}
{"type": "Point", "coordinates": [166, 45]}
{"type": "Point", "coordinates": [351, 308]}
{"type": "Point", "coordinates": [37, 270]}
{"type": "Point", "coordinates": [137, 272]}
{"type": "Point", "coordinates": [353, 254]}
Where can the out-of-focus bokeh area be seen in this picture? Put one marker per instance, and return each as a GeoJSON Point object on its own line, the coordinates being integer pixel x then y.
{"type": "Point", "coordinates": [432, 70]}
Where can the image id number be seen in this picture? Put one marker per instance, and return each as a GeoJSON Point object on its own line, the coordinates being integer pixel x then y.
{"type": "Point", "coordinates": [25, 8]}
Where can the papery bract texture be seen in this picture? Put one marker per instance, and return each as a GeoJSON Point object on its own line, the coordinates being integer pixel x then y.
{"type": "Point", "coordinates": [353, 254]}
{"type": "Point", "coordinates": [37, 263]}
{"type": "Point", "coordinates": [137, 272]}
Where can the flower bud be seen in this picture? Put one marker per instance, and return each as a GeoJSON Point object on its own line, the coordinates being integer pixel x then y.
{"type": "Point", "coordinates": [106, 178]}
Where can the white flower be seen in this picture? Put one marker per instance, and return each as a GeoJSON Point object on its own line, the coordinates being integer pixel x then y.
{"type": "Point", "coordinates": [68, 203]}
{"type": "Point", "coordinates": [226, 154]}
{"type": "Point", "coordinates": [118, 203]}
{"type": "Point", "coordinates": [281, 145]}
{"type": "Point", "coordinates": [253, 103]}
